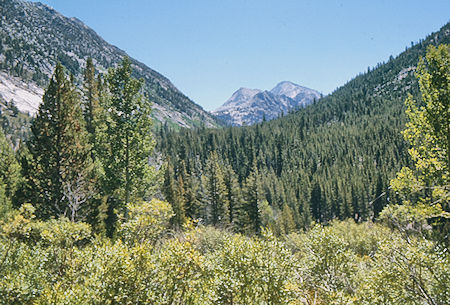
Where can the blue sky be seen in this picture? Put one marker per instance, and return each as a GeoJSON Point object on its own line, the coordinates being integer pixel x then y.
{"type": "Point", "coordinates": [210, 48]}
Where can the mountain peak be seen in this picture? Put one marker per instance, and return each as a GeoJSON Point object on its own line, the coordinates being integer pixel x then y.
{"type": "Point", "coordinates": [244, 92]}
{"type": "Point", "coordinates": [239, 97]}
{"type": "Point", "coordinates": [289, 89]}
{"type": "Point", "coordinates": [250, 106]}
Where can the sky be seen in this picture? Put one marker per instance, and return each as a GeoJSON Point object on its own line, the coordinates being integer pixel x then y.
{"type": "Point", "coordinates": [211, 48]}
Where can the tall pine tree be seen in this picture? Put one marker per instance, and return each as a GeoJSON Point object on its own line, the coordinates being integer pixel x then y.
{"type": "Point", "coordinates": [250, 218]}
{"type": "Point", "coordinates": [174, 191]}
{"type": "Point", "coordinates": [233, 193]}
{"type": "Point", "coordinates": [61, 173]}
{"type": "Point", "coordinates": [127, 137]}
{"type": "Point", "coordinates": [190, 192]}
{"type": "Point", "coordinates": [91, 98]}
{"type": "Point", "coordinates": [215, 190]}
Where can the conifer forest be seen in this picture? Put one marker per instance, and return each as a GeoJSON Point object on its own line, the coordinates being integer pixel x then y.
{"type": "Point", "coordinates": [345, 201]}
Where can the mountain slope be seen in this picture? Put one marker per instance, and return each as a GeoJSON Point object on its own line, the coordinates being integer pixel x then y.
{"type": "Point", "coordinates": [326, 161]}
{"type": "Point", "coordinates": [33, 37]}
{"type": "Point", "coordinates": [250, 106]}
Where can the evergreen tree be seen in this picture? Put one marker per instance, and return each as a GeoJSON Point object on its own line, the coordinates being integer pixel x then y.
{"type": "Point", "coordinates": [169, 187]}
{"type": "Point", "coordinates": [91, 98]}
{"type": "Point", "coordinates": [233, 193]}
{"type": "Point", "coordinates": [252, 200]}
{"type": "Point", "coordinates": [305, 214]}
{"type": "Point", "coordinates": [95, 120]}
{"type": "Point", "coordinates": [346, 207]}
{"type": "Point", "coordinates": [380, 201]}
{"type": "Point", "coordinates": [61, 172]}
{"type": "Point", "coordinates": [215, 190]}
{"type": "Point", "coordinates": [179, 204]}
{"type": "Point", "coordinates": [127, 139]}
{"type": "Point", "coordinates": [190, 193]}
{"type": "Point", "coordinates": [173, 191]}
{"type": "Point", "coordinates": [317, 205]}
{"type": "Point", "coordinates": [5, 202]}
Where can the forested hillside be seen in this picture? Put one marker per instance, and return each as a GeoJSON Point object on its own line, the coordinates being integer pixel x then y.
{"type": "Point", "coordinates": [34, 38]}
{"type": "Point", "coordinates": [15, 124]}
{"type": "Point", "coordinates": [333, 159]}
{"type": "Point", "coordinates": [343, 202]}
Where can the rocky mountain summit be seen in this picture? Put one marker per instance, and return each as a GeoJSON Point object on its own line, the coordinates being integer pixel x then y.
{"type": "Point", "coordinates": [250, 106]}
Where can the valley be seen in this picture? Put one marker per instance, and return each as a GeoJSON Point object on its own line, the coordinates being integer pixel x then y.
{"type": "Point", "coordinates": [117, 188]}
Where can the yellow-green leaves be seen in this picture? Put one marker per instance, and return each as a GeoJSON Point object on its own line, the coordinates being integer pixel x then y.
{"type": "Point", "coordinates": [342, 263]}
{"type": "Point", "coordinates": [146, 221]}
{"type": "Point", "coordinates": [425, 187]}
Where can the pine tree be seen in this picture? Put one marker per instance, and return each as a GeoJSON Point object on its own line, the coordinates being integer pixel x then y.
{"type": "Point", "coordinates": [317, 205]}
{"type": "Point", "coordinates": [61, 174]}
{"type": "Point", "coordinates": [179, 204]}
{"type": "Point", "coordinates": [252, 200]}
{"type": "Point", "coordinates": [91, 98]}
{"type": "Point", "coordinates": [126, 137]}
{"type": "Point", "coordinates": [305, 214]}
{"type": "Point", "coordinates": [173, 191]}
{"type": "Point", "coordinates": [215, 190]}
{"type": "Point", "coordinates": [191, 189]}
{"type": "Point", "coordinates": [346, 207]}
{"type": "Point", "coordinates": [5, 202]}
{"type": "Point", "coordinates": [95, 120]}
{"type": "Point", "coordinates": [380, 201]}
{"type": "Point", "coordinates": [233, 193]}
{"type": "Point", "coordinates": [169, 188]}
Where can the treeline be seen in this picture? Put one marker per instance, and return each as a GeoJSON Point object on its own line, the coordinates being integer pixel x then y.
{"type": "Point", "coordinates": [331, 160]}
{"type": "Point", "coordinates": [88, 151]}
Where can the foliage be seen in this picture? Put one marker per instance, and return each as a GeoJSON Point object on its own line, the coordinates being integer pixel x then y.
{"type": "Point", "coordinates": [425, 186]}
{"type": "Point", "coordinates": [126, 137]}
{"type": "Point", "coordinates": [60, 262]}
{"type": "Point", "coordinates": [60, 172]}
{"type": "Point", "coordinates": [9, 167]}
{"type": "Point", "coordinates": [10, 176]}
{"type": "Point", "coordinates": [428, 132]}
{"type": "Point", "coordinates": [31, 55]}
{"type": "Point", "coordinates": [320, 164]}
{"type": "Point", "coordinates": [15, 124]}
{"type": "Point", "coordinates": [146, 221]}
{"type": "Point", "coordinates": [327, 161]}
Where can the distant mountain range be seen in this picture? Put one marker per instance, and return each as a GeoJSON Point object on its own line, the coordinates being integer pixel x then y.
{"type": "Point", "coordinates": [250, 106]}
{"type": "Point", "coordinates": [33, 37]}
